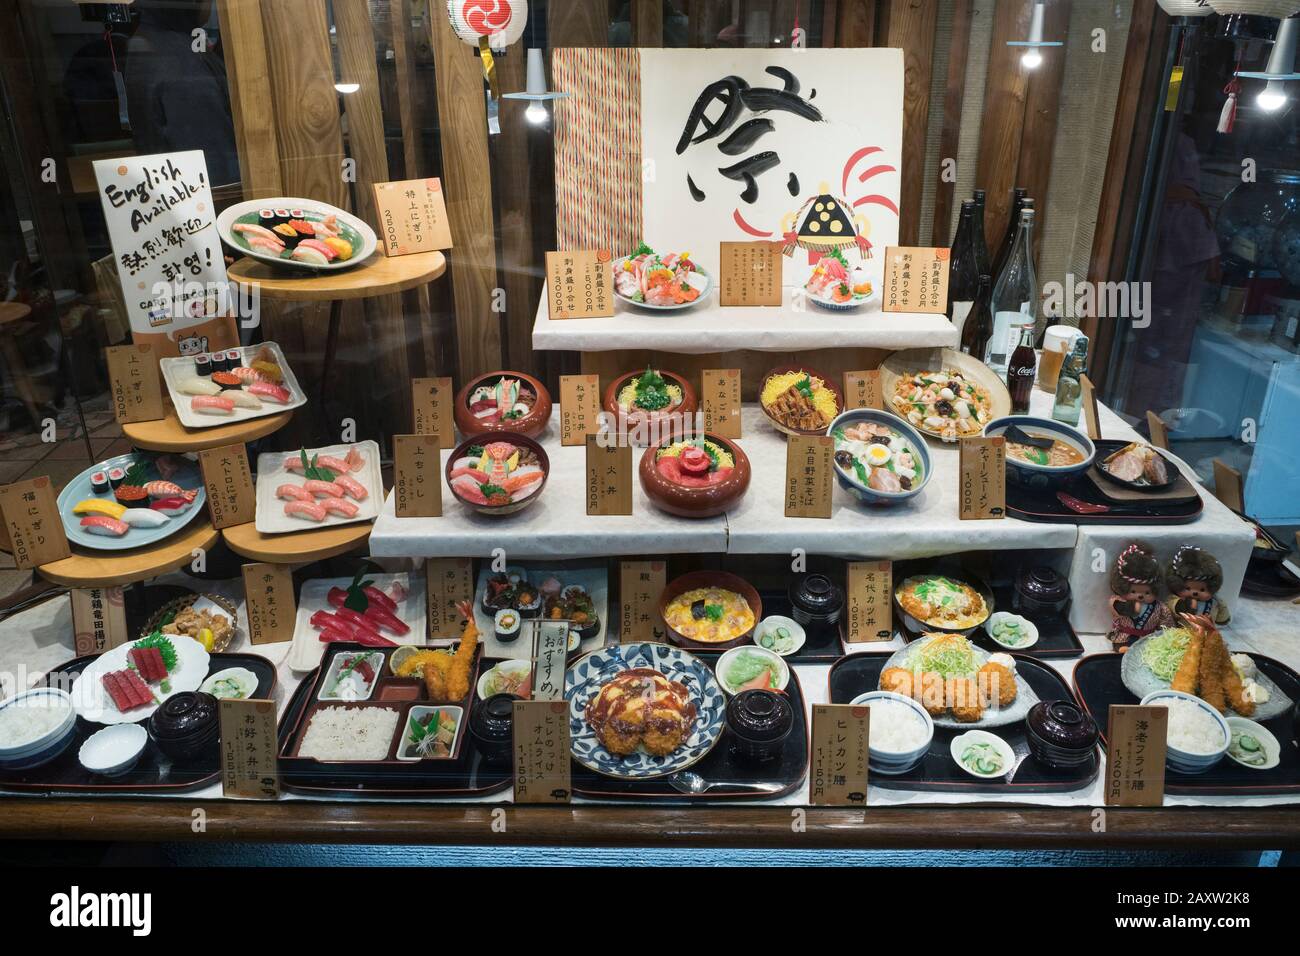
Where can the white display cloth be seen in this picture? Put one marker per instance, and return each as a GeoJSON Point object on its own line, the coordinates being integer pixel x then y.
{"type": "Point", "coordinates": [707, 328]}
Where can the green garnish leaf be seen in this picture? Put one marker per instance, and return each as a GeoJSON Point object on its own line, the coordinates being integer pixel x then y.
{"type": "Point", "coordinates": [164, 645]}
{"type": "Point", "coordinates": [713, 612]}
{"type": "Point", "coordinates": [489, 490]}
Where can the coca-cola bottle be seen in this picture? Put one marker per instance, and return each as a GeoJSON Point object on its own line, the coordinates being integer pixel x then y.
{"type": "Point", "coordinates": [1020, 372]}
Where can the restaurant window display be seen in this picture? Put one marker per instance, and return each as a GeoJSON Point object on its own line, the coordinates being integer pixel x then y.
{"type": "Point", "coordinates": [577, 407]}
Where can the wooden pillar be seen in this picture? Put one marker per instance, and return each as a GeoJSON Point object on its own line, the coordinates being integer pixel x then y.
{"type": "Point", "coordinates": [945, 199]}
{"type": "Point", "coordinates": [909, 25]}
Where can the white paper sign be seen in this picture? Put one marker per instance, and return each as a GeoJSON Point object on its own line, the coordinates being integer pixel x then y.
{"type": "Point", "coordinates": [162, 226]}
{"type": "Point", "coordinates": [805, 149]}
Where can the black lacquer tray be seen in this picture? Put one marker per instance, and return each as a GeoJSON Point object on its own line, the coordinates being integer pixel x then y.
{"type": "Point", "coordinates": [721, 765]}
{"type": "Point", "coordinates": [1098, 684]}
{"type": "Point", "coordinates": [154, 773]}
{"type": "Point", "coordinates": [464, 774]}
{"type": "Point", "coordinates": [937, 771]}
{"type": "Point", "coordinates": [1056, 636]}
{"type": "Point", "coordinates": [823, 643]}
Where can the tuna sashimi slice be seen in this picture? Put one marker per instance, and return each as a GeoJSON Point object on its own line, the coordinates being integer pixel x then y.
{"type": "Point", "coordinates": [138, 687]}
{"type": "Point", "coordinates": [121, 700]}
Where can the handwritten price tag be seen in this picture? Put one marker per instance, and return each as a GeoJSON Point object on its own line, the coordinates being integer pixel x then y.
{"type": "Point", "coordinates": [232, 498]}
{"type": "Point", "coordinates": [609, 478]}
{"type": "Point", "coordinates": [837, 775]}
{"type": "Point", "coordinates": [916, 279]}
{"type": "Point", "coordinates": [412, 216]}
{"type": "Point", "coordinates": [431, 401]}
{"type": "Point", "coordinates": [982, 492]}
{"type": "Point", "coordinates": [541, 747]}
{"type": "Point", "coordinates": [31, 516]}
{"type": "Point", "coordinates": [578, 284]}
{"type": "Point", "coordinates": [133, 383]}
{"type": "Point", "coordinates": [870, 596]}
{"type": "Point", "coordinates": [579, 408]}
{"type": "Point", "coordinates": [808, 463]}
{"type": "Point", "coordinates": [270, 602]}
{"type": "Point", "coordinates": [639, 585]}
{"type": "Point", "coordinates": [720, 393]}
{"type": "Point", "coordinates": [862, 390]}
{"type": "Point", "coordinates": [448, 581]}
{"type": "Point", "coordinates": [417, 476]}
{"type": "Point", "coordinates": [249, 766]}
{"type": "Point", "coordinates": [1135, 757]}
{"type": "Point", "coordinates": [98, 620]}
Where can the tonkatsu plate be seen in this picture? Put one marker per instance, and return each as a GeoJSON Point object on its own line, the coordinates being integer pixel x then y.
{"type": "Point", "coordinates": [131, 501]}
{"type": "Point", "coordinates": [306, 488]}
{"type": "Point", "coordinates": [297, 233]}
{"type": "Point", "coordinates": [231, 385]}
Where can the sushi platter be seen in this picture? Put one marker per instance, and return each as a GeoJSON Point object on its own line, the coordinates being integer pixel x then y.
{"type": "Point", "coordinates": [126, 502]}
{"type": "Point", "coordinates": [323, 600]}
{"type": "Point", "coordinates": [936, 768]}
{"type": "Point", "coordinates": [318, 487]}
{"type": "Point", "coordinates": [708, 758]}
{"type": "Point", "coordinates": [235, 385]}
{"type": "Point", "coordinates": [137, 755]}
{"type": "Point", "coordinates": [1100, 682]}
{"type": "Point", "coordinates": [579, 595]}
{"type": "Point", "coordinates": [297, 233]}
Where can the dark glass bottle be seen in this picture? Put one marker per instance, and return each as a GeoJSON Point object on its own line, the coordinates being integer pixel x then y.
{"type": "Point", "coordinates": [1018, 202]}
{"type": "Point", "coordinates": [1020, 372]}
{"type": "Point", "coordinates": [982, 264]}
{"type": "Point", "coordinates": [978, 327]}
{"type": "Point", "coordinates": [963, 276]}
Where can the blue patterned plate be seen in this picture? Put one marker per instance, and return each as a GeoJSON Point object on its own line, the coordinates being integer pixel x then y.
{"type": "Point", "coordinates": [589, 674]}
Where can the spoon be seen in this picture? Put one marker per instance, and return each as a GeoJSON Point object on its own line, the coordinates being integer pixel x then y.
{"type": "Point", "coordinates": [687, 781]}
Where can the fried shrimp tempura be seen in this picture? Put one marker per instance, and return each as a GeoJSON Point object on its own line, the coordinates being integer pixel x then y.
{"type": "Point", "coordinates": [1189, 669]}
{"type": "Point", "coordinates": [463, 660]}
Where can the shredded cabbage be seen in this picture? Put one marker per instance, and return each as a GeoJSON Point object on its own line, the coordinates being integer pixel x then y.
{"type": "Point", "coordinates": [950, 656]}
{"type": "Point", "coordinates": [1163, 652]}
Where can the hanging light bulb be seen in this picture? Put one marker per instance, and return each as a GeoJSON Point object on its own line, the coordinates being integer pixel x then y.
{"type": "Point", "coordinates": [1032, 58]}
{"type": "Point", "coordinates": [535, 90]}
{"type": "Point", "coordinates": [1281, 67]}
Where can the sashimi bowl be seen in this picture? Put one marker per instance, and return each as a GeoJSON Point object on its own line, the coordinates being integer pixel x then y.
{"type": "Point", "coordinates": [697, 478]}
{"type": "Point", "coordinates": [879, 458]}
{"type": "Point", "coordinates": [497, 473]}
{"type": "Point", "coordinates": [503, 402]}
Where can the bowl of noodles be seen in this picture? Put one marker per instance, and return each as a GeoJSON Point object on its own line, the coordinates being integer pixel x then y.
{"type": "Point", "coordinates": [800, 401]}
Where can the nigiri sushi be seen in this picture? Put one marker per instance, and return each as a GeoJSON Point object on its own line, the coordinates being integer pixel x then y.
{"type": "Point", "coordinates": [242, 399]}
{"type": "Point", "coordinates": [144, 518]}
{"type": "Point", "coordinates": [99, 506]}
{"type": "Point", "coordinates": [320, 247]}
{"type": "Point", "coordinates": [176, 505]}
{"type": "Point", "coordinates": [102, 524]}
{"type": "Point", "coordinates": [309, 255]}
{"type": "Point", "coordinates": [266, 245]}
{"type": "Point", "coordinates": [351, 462]}
{"type": "Point", "coordinates": [251, 230]}
{"type": "Point", "coordinates": [324, 489]}
{"type": "Point", "coordinates": [271, 392]}
{"type": "Point", "coordinates": [338, 506]}
{"type": "Point", "coordinates": [163, 489]}
{"type": "Point", "coordinates": [198, 386]}
{"type": "Point", "coordinates": [305, 509]}
{"type": "Point", "coordinates": [352, 487]}
{"type": "Point", "coordinates": [212, 405]}
{"type": "Point", "coordinates": [294, 493]}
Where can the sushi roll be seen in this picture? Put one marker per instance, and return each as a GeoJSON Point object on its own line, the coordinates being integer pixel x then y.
{"type": "Point", "coordinates": [99, 483]}
{"type": "Point", "coordinates": [104, 525]}
{"type": "Point", "coordinates": [115, 477]}
{"type": "Point", "coordinates": [506, 623]}
{"type": "Point", "coordinates": [233, 359]}
{"type": "Point", "coordinates": [202, 365]}
{"type": "Point", "coordinates": [528, 600]}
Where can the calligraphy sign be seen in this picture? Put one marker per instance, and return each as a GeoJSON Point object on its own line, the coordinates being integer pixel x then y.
{"type": "Point", "coordinates": [541, 748]}
{"type": "Point", "coordinates": [1135, 756]}
{"type": "Point", "coordinates": [609, 478]}
{"type": "Point", "coordinates": [232, 498]}
{"type": "Point", "coordinates": [862, 390]}
{"type": "Point", "coordinates": [808, 476]}
{"type": "Point", "coordinates": [448, 581]}
{"type": "Point", "coordinates": [98, 620]}
{"type": "Point", "coordinates": [550, 651]}
{"type": "Point", "coordinates": [870, 594]}
{"type": "Point", "coordinates": [639, 585]}
{"type": "Point", "coordinates": [162, 227]}
{"type": "Point", "coordinates": [982, 488]}
{"type": "Point", "coordinates": [271, 607]}
{"type": "Point", "coordinates": [31, 516]}
{"type": "Point", "coordinates": [134, 387]}
{"type": "Point", "coordinates": [750, 273]}
{"type": "Point", "coordinates": [431, 401]}
{"type": "Point", "coordinates": [417, 478]}
{"type": "Point", "coordinates": [916, 280]}
{"type": "Point", "coordinates": [1092, 420]}
{"type": "Point", "coordinates": [412, 216]}
{"type": "Point", "coordinates": [579, 408]}
{"type": "Point", "coordinates": [579, 284]}
{"type": "Point", "coordinates": [720, 396]}
{"type": "Point", "coordinates": [248, 749]}
{"type": "Point", "coordinates": [837, 772]}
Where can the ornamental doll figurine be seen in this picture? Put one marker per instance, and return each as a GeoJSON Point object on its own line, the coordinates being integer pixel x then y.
{"type": "Point", "coordinates": [1134, 599]}
{"type": "Point", "coordinates": [1194, 577]}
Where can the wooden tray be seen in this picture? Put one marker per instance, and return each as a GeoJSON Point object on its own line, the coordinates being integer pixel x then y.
{"type": "Point", "coordinates": [937, 772]}
{"type": "Point", "coordinates": [153, 773]}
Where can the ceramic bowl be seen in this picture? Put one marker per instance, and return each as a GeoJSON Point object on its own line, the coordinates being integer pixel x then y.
{"type": "Point", "coordinates": [44, 748]}
{"type": "Point", "coordinates": [1007, 756]}
{"type": "Point", "coordinates": [904, 365]}
{"type": "Point", "coordinates": [710, 579]}
{"type": "Point", "coordinates": [514, 438]}
{"type": "Point", "coordinates": [114, 750]}
{"type": "Point", "coordinates": [1182, 760]}
{"type": "Point", "coordinates": [514, 669]}
{"type": "Point", "coordinates": [767, 629]}
{"type": "Point", "coordinates": [723, 666]}
{"type": "Point", "coordinates": [695, 502]}
{"type": "Point", "coordinates": [1031, 475]}
{"type": "Point", "coordinates": [1060, 734]}
{"type": "Point", "coordinates": [892, 762]}
{"type": "Point", "coordinates": [917, 626]}
{"type": "Point", "coordinates": [1171, 469]}
{"type": "Point", "coordinates": [1027, 628]}
{"type": "Point", "coordinates": [651, 428]}
{"type": "Point", "coordinates": [847, 477]}
{"type": "Point", "coordinates": [187, 726]}
{"type": "Point", "coordinates": [813, 373]}
{"type": "Point", "coordinates": [700, 279]}
{"type": "Point", "coordinates": [530, 425]}
{"type": "Point", "coordinates": [1269, 749]}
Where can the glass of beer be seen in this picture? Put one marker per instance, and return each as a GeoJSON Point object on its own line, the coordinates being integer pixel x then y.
{"type": "Point", "coordinates": [1057, 342]}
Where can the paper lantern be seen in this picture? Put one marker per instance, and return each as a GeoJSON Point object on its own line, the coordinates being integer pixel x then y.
{"type": "Point", "coordinates": [502, 22]}
{"type": "Point", "coordinates": [1259, 8]}
{"type": "Point", "coordinates": [1186, 8]}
